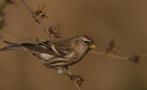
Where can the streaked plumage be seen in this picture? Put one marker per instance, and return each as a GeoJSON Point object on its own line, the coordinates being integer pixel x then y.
{"type": "Point", "coordinates": [57, 55]}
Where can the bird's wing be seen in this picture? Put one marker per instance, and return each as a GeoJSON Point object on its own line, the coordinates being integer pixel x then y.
{"type": "Point", "coordinates": [60, 48]}
{"type": "Point", "coordinates": [64, 47]}
{"type": "Point", "coordinates": [39, 47]}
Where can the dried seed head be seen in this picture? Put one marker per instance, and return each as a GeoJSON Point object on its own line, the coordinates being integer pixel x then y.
{"type": "Point", "coordinates": [39, 14]}
{"type": "Point", "coordinates": [54, 32]}
{"type": "Point", "coordinates": [78, 79]}
{"type": "Point", "coordinates": [111, 48]}
{"type": "Point", "coordinates": [136, 58]}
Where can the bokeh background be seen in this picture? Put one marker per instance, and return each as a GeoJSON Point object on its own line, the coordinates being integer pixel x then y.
{"type": "Point", "coordinates": [125, 20]}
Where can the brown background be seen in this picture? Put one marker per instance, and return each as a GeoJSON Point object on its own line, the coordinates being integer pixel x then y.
{"type": "Point", "coordinates": [126, 20]}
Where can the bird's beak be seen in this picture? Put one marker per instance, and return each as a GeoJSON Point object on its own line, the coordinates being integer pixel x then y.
{"type": "Point", "coordinates": [92, 46]}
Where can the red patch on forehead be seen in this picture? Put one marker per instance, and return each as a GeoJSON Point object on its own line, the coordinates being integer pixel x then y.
{"type": "Point", "coordinates": [88, 37]}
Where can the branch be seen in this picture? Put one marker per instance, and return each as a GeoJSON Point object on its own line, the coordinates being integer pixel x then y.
{"type": "Point", "coordinates": [112, 52]}
{"type": "Point", "coordinates": [53, 32]}
{"type": "Point", "coordinates": [38, 14]}
{"type": "Point", "coordinates": [77, 79]}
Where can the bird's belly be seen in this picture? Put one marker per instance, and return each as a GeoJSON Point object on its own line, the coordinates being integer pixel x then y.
{"type": "Point", "coordinates": [66, 60]}
{"type": "Point", "coordinates": [59, 61]}
{"type": "Point", "coordinates": [46, 56]}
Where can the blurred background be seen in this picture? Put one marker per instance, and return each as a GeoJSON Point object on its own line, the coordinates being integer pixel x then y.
{"type": "Point", "coordinates": [124, 20]}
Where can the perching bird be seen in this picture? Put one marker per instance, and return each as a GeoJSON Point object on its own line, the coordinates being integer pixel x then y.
{"type": "Point", "coordinates": [57, 55]}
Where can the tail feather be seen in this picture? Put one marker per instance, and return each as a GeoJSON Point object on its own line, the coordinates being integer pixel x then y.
{"type": "Point", "coordinates": [10, 43]}
{"type": "Point", "coordinates": [11, 46]}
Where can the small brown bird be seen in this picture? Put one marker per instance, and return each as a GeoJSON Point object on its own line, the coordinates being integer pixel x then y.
{"type": "Point", "coordinates": [57, 55]}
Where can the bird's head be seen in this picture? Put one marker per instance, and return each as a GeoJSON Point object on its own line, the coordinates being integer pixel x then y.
{"type": "Point", "coordinates": [84, 41]}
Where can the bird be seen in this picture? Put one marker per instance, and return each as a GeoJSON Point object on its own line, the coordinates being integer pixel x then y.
{"type": "Point", "coordinates": [58, 55]}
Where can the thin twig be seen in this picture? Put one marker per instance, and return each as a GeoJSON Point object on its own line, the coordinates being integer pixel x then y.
{"type": "Point", "coordinates": [34, 15]}
{"type": "Point", "coordinates": [30, 10]}
{"type": "Point", "coordinates": [75, 82]}
{"type": "Point", "coordinates": [27, 7]}
{"type": "Point", "coordinates": [110, 55]}
{"type": "Point", "coordinates": [135, 58]}
{"type": "Point", "coordinates": [38, 14]}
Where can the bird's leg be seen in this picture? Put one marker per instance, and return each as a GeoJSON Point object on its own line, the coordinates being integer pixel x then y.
{"type": "Point", "coordinates": [77, 79]}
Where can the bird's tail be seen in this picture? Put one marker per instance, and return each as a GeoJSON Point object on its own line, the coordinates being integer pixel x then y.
{"type": "Point", "coordinates": [11, 46]}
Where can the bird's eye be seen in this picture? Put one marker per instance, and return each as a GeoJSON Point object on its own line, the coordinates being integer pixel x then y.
{"type": "Point", "coordinates": [86, 42]}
